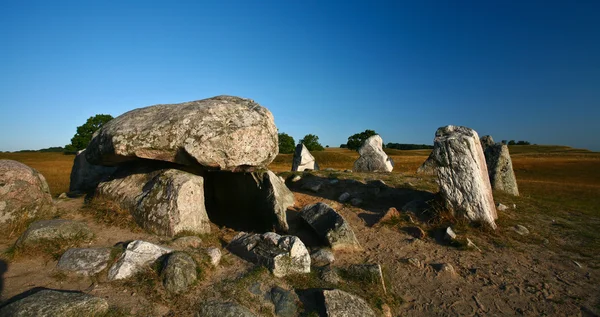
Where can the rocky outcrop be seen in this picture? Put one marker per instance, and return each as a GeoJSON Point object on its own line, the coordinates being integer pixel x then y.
{"type": "Point", "coordinates": [372, 157]}
{"type": "Point", "coordinates": [86, 176]}
{"type": "Point", "coordinates": [51, 303]}
{"type": "Point", "coordinates": [462, 174]}
{"type": "Point", "coordinates": [282, 255]}
{"type": "Point", "coordinates": [163, 201]}
{"type": "Point", "coordinates": [84, 261]}
{"type": "Point", "coordinates": [500, 169]}
{"type": "Point", "coordinates": [342, 304]}
{"type": "Point", "coordinates": [303, 159]}
{"type": "Point", "coordinates": [137, 255]}
{"type": "Point", "coordinates": [223, 132]}
{"type": "Point", "coordinates": [24, 193]}
{"type": "Point", "coordinates": [330, 226]}
{"type": "Point", "coordinates": [179, 272]}
{"type": "Point", "coordinates": [54, 229]}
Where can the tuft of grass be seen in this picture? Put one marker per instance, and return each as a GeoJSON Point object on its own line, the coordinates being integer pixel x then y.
{"type": "Point", "coordinates": [50, 248]}
{"type": "Point", "coordinates": [111, 213]}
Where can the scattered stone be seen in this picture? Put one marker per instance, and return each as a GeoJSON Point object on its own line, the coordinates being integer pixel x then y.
{"type": "Point", "coordinates": [295, 178]}
{"type": "Point", "coordinates": [54, 229]}
{"type": "Point", "coordinates": [285, 302]}
{"type": "Point", "coordinates": [330, 169]}
{"type": "Point", "coordinates": [322, 257]}
{"type": "Point", "coordinates": [370, 273]}
{"type": "Point", "coordinates": [446, 268]}
{"type": "Point", "coordinates": [522, 230]}
{"type": "Point", "coordinates": [486, 141]}
{"type": "Point", "coordinates": [470, 244]}
{"type": "Point", "coordinates": [449, 234]}
{"type": "Point", "coordinates": [303, 159]}
{"type": "Point", "coordinates": [282, 255]}
{"type": "Point", "coordinates": [86, 176]}
{"type": "Point", "coordinates": [340, 303]}
{"type": "Point", "coordinates": [47, 303]}
{"type": "Point", "coordinates": [329, 275]}
{"type": "Point", "coordinates": [161, 200]}
{"type": "Point", "coordinates": [414, 262]}
{"type": "Point", "coordinates": [390, 214]}
{"type": "Point", "coordinates": [188, 242]}
{"type": "Point", "coordinates": [214, 254]}
{"type": "Point", "coordinates": [372, 157]}
{"type": "Point", "coordinates": [137, 255]}
{"type": "Point", "coordinates": [416, 232]}
{"type": "Point", "coordinates": [577, 264]}
{"type": "Point", "coordinates": [225, 132]}
{"type": "Point", "coordinates": [179, 272]}
{"type": "Point", "coordinates": [330, 226]}
{"type": "Point", "coordinates": [344, 197]}
{"type": "Point", "coordinates": [501, 207]}
{"type": "Point", "coordinates": [63, 196]}
{"type": "Point", "coordinates": [84, 261]}
{"type": "Point", "coordinates": [313, 186]}
{"type": "Point", "coordinates": [462, 174]}
{"type": "Point", "coordinates": [223, 309]}
{"type": "Point", "coordinates": [356, 201]}
{"type": "Point", "coordinates": [428, 167]}
{"type": "Point", "coordinates": [347, 171]}
{"type": "Point", "coordinates": [24, 193]}
{"type": "Point", "coordinates": [500, 169]}
{"type": "Point", "coordinates": [546, 241]}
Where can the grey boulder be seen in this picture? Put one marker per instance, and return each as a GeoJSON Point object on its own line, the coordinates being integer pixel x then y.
{"type": "Point", "coordinates": [86, 176]}
{"type": "Point", "coordinates": [223, 132]}
{"type": "Point", "coordinates": [84, 261]}
{"type": "Point", "coordinates": [52, 303]}
{"type": "Point", "coordinates": [330, 226]}
{"type": "Point", "coordinates": [303, 159]}
{"type": "Point", "coordinates": [223, 309]}
{"type": "Point", "coordinates": [500, 169]}
{"type": "Point", "coordinates": [138, 255]}
{"type": "Point", "coordinates": [179, 272]}
{"type": "Point", "coordinates": [372, 157]}
{"type": "Point", "coordinates": [53, 230]}
{"type": "Point", "coordinates": [342, 304]}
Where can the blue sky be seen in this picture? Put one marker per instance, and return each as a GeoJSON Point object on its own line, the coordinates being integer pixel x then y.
{"type": "Point", "coordinates": [523, 70]}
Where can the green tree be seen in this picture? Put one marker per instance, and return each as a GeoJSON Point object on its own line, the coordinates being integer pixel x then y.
{"type": "Point", "coordinates": [512, 142]}
{"type": "Point", "coordinates": [356, 140]}
{"type": "Point", "coordinates": [311, 142]}
{"type": "Point", "coordinates": [82, 138]}
{"type": "Point", "coordinates": [287, 144]}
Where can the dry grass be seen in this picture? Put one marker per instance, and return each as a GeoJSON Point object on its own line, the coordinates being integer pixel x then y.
{"type": "Point", "coordinates": [56, 167]}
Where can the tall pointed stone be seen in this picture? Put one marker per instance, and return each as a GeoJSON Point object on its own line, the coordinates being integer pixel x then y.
{"type": "Point", "coordinates": [372, 157]}
{"type": "Point", "coordinates": [303, 160]}
{"type": "Point", "coordinates": [500, 169]}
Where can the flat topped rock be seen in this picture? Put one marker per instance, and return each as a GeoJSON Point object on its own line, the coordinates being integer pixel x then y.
{"type": "Point", "coordinates": [52, 303]}
{"type": "Point", "coordinates": [84, 261]}
{"type": "Point", "coordinates": [54, 229]}
{"type": "Point", "coordinates": [223, 132]}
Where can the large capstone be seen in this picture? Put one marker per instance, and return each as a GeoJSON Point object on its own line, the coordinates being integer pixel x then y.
{"type": "Point", "coordinates": [51, 303]}
{"type": "Point", "coordinates": [282, 255]}
{"type": "Point", "coordinates": [164, 201]}
{"type": "Point", "coordinates": [223, 132]}
{"type": "Point", "coordinates": [462, 174]}
{"type": "Point", "coordinates": [372, 157]}
{"type": "Point", "coordinates": [500, 169]}
{"type": "Point", "coordinates": [86, 176]}
{"type": "Point", "coordinates": [303, 160]}
{"type": "Point", "coordinates": [255, 201]}
{"type": "Point", "coordinates": [330, 226]}
{"type": "Point", "coordinates": [24, 193]}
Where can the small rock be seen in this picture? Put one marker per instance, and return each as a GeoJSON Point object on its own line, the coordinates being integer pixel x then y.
{"type": "Point", "coordinates": [344, 197]}
{"type": "Point", "coordinates": [55, 229]}
{"type": "Point", "coordinates": [47, 303]}
{"type": "Point", "coordinates": [295, 178]}
{"type": "Point", "coordinates": [522, 230]}
{"type": "Point", "coordinates": [389, 215]}
{"type": "Point", "coordinates": [356, 201]}
{"type": "Point", "coordinates": [334, 181]}
{"type": "Point", "coordinates": [501, 207]}
{"type": "Point", "coordinates": [137, 255]}
{"type": "Point", "coordinates": [470, 244]}
{"type": "Point", "coordinates": [368, 272]}
{"type": "Point", "coordinates": [546, 241]}
{"type": "Point", "coordinates": [84, 261]}
{"type": "Point", "coordinates": [514, 206]}
{"type": "Point", "coordinates": [285, 302]}
{"type": "Point", "coordinates": [189, 242]}
{"type": "Point", "coordinates": [450, 235]}
{"type": "Point", "coordinates": [63, 196]}
{"type": "Point", "coordinates": [340, 303]}
{"type": "Point", "coordinates": [322, 257]}
{"type": "Point", "coordinates": [446, 268]}
{"type": "Point", "coordinates": [414, 262]}
{"type": "Point", "coordinates": [312, 186]}
{"type": "Point", "coordinates": [179, 272]}
{"type": "Point", "coordinates": [214, 254]}
{"type": "Point", "coordinates": [577, 264]}
{"type": "Point", "coordinates": [330, 275]}
{"type": "Point", "coordinates": [329, 169]}
{"type": "Point", "coordinates": [223, 309]}
{"type": "Point", "coordinates": [347, 171]}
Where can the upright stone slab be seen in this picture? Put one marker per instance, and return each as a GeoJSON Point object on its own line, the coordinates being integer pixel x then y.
{"type": "Point", "coordinates": [330, 226]}
{"type": "Point", "coordinates": [303, 160]}
{"type": "Point", "coordinates": [223, 133]}
{"type": "Point", "coordinates": [486, 141]}
{"type": "Point", "coordinates": [372, 157]}
{"type": "Point", "coordinates": [24, 193]}
{"type": "Point", "coordinates": [163, 201]}
{"type": "Point", "coordinates": [86, 176]}
{"type": "Point", "coordinates": [500, 169]}
{"type": "Point", "coordinates": [462, 174]}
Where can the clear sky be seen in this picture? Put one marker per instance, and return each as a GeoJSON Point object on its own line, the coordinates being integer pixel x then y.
{"type": "Point", "coordinates": [522, 70]}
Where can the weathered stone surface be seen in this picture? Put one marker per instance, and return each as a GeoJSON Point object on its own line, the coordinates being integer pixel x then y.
{"type": "Point", "coordinates": [137, 255]}
{"type": "Point", "coordinates": [189, 242]}
{"type": "Point", "coordinates": [84, 261]}
{"type": "Point", "coordinates": [370, 273]}
{"type": "Point", "coordinates": [449, 234]}
{"type": "Point", "coordinates": [501, 207]}
{"type": "Point", "coordinates": [446, 269]}
{"type": "Point", "coordinates": [255, 201]}
{"type": "Point", "coordinates": [24, 193]}
{"type": "Point", "coordinates": [223, 309]}
{"type": "Point", "coordinates": [322, 257]}
{"type": "Point", "coordinates": [500, 169]}
{"type": "Point", "coordinates": [161, 200]}
{"type": "Point", "coordinates": [86, 176]}
{"type": "Point", "coordinates": [285, 302]}
{"type": "Point", "coordinates": [330, 226]}
{"type": "Point", "coordinates": [282, 255]}
{"type": "Point", "coordinates": [342, 304]}
{"type": "Point", "coordinates": [303, 159]}
{"type": "Point", "coordinates": [521, 230]}
{"type": "Point", "coordinates": [486, 141]}
{"type": "Point", "coordinates": [179, 272]}
{"type": "Point", "coordinates": [313, 186]}
{"type": "Point", "coordinates": [330, 275]}
{"type": "Point", "coordinates": [52, 303]}
{"type": "Point", "coordinates": [372, 157]}
{"type": "Point", "coordinates": [223, 132]}
{"type": "Point", "coordinates": [462, 174]}
{"type": "Point", "coordinates": [214, 255]}
{"type": "Point", "coordinates": [54, 229]}
{"type": "Point", "coordinates": [344, 197]}
{"type": "Point", "coordinates": [356, 201]}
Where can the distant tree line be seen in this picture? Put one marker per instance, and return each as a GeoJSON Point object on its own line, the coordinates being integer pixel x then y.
{"type": "Point", "coordinates": [512, 142]}
{"type": "Point", "coordinates": [287, 145]}
{"type": "Point", "coordinates": [404, 146]}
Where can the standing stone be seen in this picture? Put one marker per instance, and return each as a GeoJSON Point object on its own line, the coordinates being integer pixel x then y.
{"type": "Point", "coordinates": [330, 226]}
{"type": "Point", "coordinates": [179, 272]}
{"type": "Point", "coordinates": [462, 174]}
{"type": "Point", "coordinates": [86, 176]}
{"type": "Point", "coordinates": [51, 303]}
{"type": "Point", "coordinates": [137, 255]}
{"type": "Point", "coordinates": [372, 157]}
{"type": "Point", "coordinates": [162, 201]}
{"type": "Point", "coordinates": [428, 167]}
{"type": "Point", "coordinates": [342, 304]}
{"type": "Point", "coordinates": [486, 141]}
{"type": "Point", "coordinates": [84, 261]}
{"type": "Point", "coordinates": [24, 193]}
{"type": "Point", "coordinates": [499, 165]}
{"type": "Point", "coordinates": [223, 132]}
{"type": "Point", "coordinates": [303, 159]}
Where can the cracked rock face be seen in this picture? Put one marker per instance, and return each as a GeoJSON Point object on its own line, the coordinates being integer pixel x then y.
{"type": "Point", "coordinates": [463, 175]}
{"type": "Point", "coordinates": [499, 164]}
{"type": "Point", "coordinates": [223, 132]}
{"type": "Point", "coordinates": [372, 157]}
{"type": "Point", "coordinates": [303, 159]}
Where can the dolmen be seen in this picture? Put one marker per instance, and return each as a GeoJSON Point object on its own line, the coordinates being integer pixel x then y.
{"type": "Point", "coordinates": [372, 157]}
{"type": "Point", "coordinates": [178, 167]}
